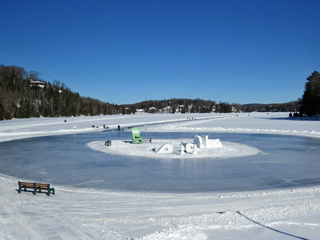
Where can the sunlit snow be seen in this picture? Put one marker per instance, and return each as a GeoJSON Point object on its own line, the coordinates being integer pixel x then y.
{"type": "Point", "coordinates": [87, 213]}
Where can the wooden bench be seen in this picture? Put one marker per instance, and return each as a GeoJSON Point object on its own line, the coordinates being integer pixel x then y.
{"type": "Point", "coordinates": [35, 186]}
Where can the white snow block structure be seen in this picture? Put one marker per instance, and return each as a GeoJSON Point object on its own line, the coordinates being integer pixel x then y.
{"type": "Point", "coordinates": [165, 148]}
{"type": "Point", "coordinates": [213, 143]}
{"type": "Point", "coordinates": [205, 142]}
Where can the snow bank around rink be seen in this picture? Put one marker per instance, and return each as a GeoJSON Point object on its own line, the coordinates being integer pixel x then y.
{"type": "Point", "coordinates": [118, 147]}
{"type": "Point", "coordinates": [307, 133]}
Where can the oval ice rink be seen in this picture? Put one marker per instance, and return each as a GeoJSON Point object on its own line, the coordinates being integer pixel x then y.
{"type": "Point", "coordinates": [263, 162]}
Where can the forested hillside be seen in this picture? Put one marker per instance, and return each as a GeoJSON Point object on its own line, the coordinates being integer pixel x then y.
{"type": "Point", "coordinates": [24, 95]}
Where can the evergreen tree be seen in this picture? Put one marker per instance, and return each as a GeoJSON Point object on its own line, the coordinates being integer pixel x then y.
{"type": "Point", "coordinates": [224, 107]}
{"type": "Point", "coordinates": [310, 101]}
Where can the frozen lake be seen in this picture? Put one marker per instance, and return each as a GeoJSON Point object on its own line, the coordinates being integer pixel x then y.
{"type": "Point", "coordinates": [285, 161]}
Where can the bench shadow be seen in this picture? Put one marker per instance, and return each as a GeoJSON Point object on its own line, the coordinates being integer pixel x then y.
{"type": "Point", "coordinates": [30, 191]}
{"type": "Point", "coordinates": [272, 229]}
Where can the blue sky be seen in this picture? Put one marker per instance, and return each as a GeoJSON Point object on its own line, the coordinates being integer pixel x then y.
{"type": "Point", "coordinates": [130, 51]}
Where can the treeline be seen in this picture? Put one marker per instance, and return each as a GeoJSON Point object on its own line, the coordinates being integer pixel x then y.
{"type": "Point", "coordinates": [310, 101]}
{"type": "Point", "coordinates": [292, 106]}
{"type": "Point", "coordinates": [207, 106]}
{"type": "Point", "coordinates": [23, 95]}
{"type": "Point", "coordinates": [175, 105]}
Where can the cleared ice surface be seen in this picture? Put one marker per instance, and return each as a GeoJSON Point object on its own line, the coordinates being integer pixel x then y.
{"type": "Point", "coordinates": [285, 161]}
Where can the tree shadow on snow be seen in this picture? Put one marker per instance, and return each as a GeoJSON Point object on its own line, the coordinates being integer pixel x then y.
{"type": "Point", "coordinates": [312, 119]}
{"type": "Point", "coordinates": [272, 229]}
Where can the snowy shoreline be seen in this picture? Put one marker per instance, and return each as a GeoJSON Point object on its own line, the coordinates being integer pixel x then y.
{"type": "Point", "coordinates": [93, 214]}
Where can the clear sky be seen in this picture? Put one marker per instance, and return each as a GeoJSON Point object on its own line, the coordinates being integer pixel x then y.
{"type": "Point", "coordinates": [127, 51]}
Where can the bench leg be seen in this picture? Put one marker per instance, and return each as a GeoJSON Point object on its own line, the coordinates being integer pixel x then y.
{"type": "Point", "coordinates": [51, 190]}
{"type": "Point", "coordinates": [34, 189]}
{"type": "Point", "coordinates": [19, 190]}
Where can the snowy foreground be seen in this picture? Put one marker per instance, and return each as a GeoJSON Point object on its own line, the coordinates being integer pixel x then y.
{"type": "Point", "coordinates": [92, 214]}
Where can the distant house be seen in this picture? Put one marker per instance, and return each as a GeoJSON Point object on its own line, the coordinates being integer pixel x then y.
{"type": "Point", "coordinates": [139, 110]}
{"type": "Point", "coordinates": [233, 109]}
{"type": "Point", "coordinates": [37, 83]}
{"type": "Point", "coordinates": [179, 108]}
{"type": "Point", "coordinates": [167, 109]}
{"type": "Point", "coordinates": [152, 110]}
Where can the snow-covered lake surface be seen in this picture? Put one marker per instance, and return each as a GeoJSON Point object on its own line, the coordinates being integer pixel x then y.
{"type": "Point", "coordinates": [264, 184]}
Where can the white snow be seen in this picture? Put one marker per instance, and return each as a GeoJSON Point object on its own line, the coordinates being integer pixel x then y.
{"type": "Point", "coordinates": [229, 149]}
{"type": "Point", "coordinates": [92, 214]}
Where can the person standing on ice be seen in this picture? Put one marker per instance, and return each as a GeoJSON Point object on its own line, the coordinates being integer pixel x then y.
{"type": "Point", "coordinates": [118, 127]}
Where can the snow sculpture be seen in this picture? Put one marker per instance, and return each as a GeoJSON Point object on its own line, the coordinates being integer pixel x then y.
{"type": "Point", "coordinates": [195, 151]}
{"type": "Point", "coordinates": [205, 142]}
{"type": "Point", "coordinates": [190, 147]}
{"type": "Point", "coordinates": [182, 149]}
{"type": "Point", "coordinates": [165, 148]}
{"type": "Point", "coordinates": [198, 141]}
{"type": "Point", "coordinates": [213, 143]}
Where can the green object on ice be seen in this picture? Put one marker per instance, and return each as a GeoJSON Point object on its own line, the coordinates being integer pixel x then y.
{"type": "Point", "coordinates": [136, 137]}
